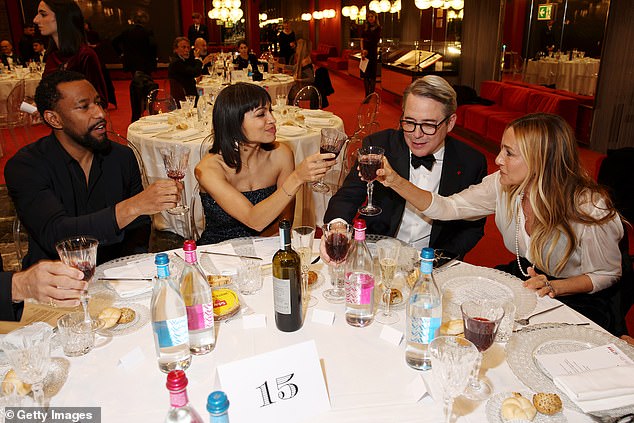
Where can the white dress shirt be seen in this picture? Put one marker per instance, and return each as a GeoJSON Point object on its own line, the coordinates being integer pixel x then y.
{"type": "Point", "coordinates": [415, 228]}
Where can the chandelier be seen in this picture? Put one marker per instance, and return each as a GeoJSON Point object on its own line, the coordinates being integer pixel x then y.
{"type": "Point", "coordinates": [226, 11]}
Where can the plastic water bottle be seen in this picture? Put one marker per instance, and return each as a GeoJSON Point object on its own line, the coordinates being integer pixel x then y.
{"type": "Point", "coordinates": [169, 320]}
{"type": "Point", "coordinates": [359, 280]}
{"type": "Point", "coordinates": [196, 295]}
{"type": "Point", "coordinates": [218, 407]}
{"type": "Point", "coordinates": [424, 314]}
{"type": "Point", "coordinates": [180, 410]}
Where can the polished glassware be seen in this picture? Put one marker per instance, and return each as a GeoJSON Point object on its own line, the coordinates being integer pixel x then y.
{"type": "Point", "coordinates": [388, 252]}
{"type": "Point", "coordinates": [481, 322]}
{"type": "Point", "coordinates": [370, 160]}
{"type": "Point", "coordinates": [453, 359]}
{"type": "Point", "coordinates": [302, 242]}
{"type": "Point", "coordinates": [332, 141]}
{"type": "Point", "coordinates": [81, 253]}
{"type": "Point", "coordinates": [338, 234]}
{"type": "Point", "coordinates": [28, 351]}
{"type": "Point", "coordinates": [176, 160]}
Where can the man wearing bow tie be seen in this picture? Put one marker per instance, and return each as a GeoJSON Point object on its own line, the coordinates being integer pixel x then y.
{"type": "Point", "coordinates": [420, 151]}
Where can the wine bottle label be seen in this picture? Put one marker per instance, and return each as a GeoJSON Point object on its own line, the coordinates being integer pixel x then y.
{"type": "Point", "coordinates": [282, 295]}
{"type": "Point", "coordinates": [171, 332]}
{"type": "Point", "coordinates": [424, 329]}
{"type": "Point", "coordinates": [359, 289]}
{"type": "Point", "coordinates": [200, 316]}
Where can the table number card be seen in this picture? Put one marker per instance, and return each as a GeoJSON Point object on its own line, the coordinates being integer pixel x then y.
{"type": "Point", "coordinates": [284, 385]}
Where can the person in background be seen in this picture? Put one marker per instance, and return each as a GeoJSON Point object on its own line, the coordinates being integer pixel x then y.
{"type": "Point", "coordinates": [92, 36]}
{"type": "Point", "coordinates": [301, 68]}
{"type": "Point", "coordinates": [200, 53]}
{"type": "Point", "coordinates": [287, 42]}
{"type": "Point", "coordinates": [244, 58]}
{"type": "Point", "coordinates": [183, 70]}
{"type": "Point", "coordinates": [561, 225]}
{"type": "Point", "coordinates": [371, 35]}
{"type": "Point", "coordinates": [63, 21]}
{"type": "Point", "coordinates": [39, 51]}
{"type": "Point", "coordinates": [249, 180]}
{"type": "Point", "coordinates": [75, 181]}
{"type": "Point", "coordinates": [25, 46]}
{"type": "Point", "coordinates": [197, 29]}
{"type": "Point", "coordinates": [8, 57]}
{"type": "Point", "coordinates": [421, 152]}
{"type": "Point", "coordinates": [137, 45]}
{"type": "Point", "coordinates": [49, 282]}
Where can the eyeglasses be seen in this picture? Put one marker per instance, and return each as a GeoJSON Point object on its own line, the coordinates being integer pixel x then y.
{"type": "Point", "coordinates": [427, 128]}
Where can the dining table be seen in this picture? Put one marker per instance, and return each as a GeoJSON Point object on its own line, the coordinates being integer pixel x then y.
{"type": "Point", "coordinates": [364, 369]}
{"type": "Point", "coordinates": [578, 75]}
{"type": "Point", "coordinates": [298, 128]}
{"type": "Point", "coordinates": [9, 80]}
{"type": "Point", "coordinates": [275, 83]}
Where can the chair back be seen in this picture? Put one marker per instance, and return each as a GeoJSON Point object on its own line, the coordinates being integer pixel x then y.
{"type": "Point", "coordinates": [159, 101]}
{"type": "Point", "coordinates": [15, 116]}
{"type": "Point", "coordinates": [195, 212]}
{"type": "Point", "coordinates": [368, 110]}
{"type": "Point", "coordinates": [115, 136]}
{"type": "Point", "coordinates": [177, 91]}
{"type": "Point", "coordinates": [308, 98]}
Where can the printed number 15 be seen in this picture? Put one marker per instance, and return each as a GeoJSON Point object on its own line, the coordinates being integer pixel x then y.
{"type": "Point", "coordinates": [285, 390]}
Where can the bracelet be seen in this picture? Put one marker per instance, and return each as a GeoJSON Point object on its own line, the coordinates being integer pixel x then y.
{"type": "Point", "coordinates": [286, 192]}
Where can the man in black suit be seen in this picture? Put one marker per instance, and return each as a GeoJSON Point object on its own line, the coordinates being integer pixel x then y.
{"type": "Point", "coordinates": [8, 57]}
{"type": "Point", "coordinates": [197, 29]}
{"type": "Point", "coordinates": [39, 51]}
{"type": "Point", "coordinates": [25, 45]}
{"type": "Point", "coordinates": [421, 152]}
{"type": "Point", "coordinates": [183, 70]}
{"type": "Point", "coordinates": [137, 45]}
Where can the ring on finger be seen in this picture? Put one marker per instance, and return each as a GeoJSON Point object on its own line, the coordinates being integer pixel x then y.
{"type": "Point", "coordinates": [548, 285]}
{"type": "Point", "coordinates": [52, 303]}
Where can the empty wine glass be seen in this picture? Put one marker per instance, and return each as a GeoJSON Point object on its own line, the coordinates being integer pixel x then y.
{"type": "Point", "coordinates": [452, 362]}
{"type": "Point", "coordinates": [337, 235]}
{"type": "Point", "coordinates": [332, 141]}
{"type": "Point", "coordinates": [28, 351]}
{"type": "Point", "coordinates": [81, 253]}
{"type": "Point", "coordinates": [370, 160]}
{"type": "Point", "coordinates": [302, 242]}
{"type": "Point", "coordinates": [481, 322]}
{"type": "Point", "coordinates": [388, 252]}
{"type": "Point", "coordinates": [176, 159]}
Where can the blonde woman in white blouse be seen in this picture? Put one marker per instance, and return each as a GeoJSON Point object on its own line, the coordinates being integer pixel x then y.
{"type": "Point", "coordinates": [561, 225]}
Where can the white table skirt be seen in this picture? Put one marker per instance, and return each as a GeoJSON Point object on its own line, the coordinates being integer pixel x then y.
{"type": "Point", "coordinates": [577, 76]}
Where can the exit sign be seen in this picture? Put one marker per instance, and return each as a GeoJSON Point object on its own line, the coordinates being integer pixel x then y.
{"type": "Point", "coordinates": [545, 12]}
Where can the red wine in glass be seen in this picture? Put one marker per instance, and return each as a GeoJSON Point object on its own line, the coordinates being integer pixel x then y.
{"type": "Point", "coordinates": [368, 166]}
{"type": "Point", "coordinates": [87, 268]}
{"type": "Point", "coordinates": [480, 331]}
{"type": "Point", "coordinates": [337, 246]}
{"type": "Point", "coordinates": [176, 174]}
{"type": "Point", "coordinates": [325, 149]}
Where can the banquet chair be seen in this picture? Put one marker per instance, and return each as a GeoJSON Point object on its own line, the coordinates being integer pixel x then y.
{"type": "Point", "coordinates": [115, 136]}
{"type": "Point", "coordinates": [368, 110]}
{"type": "Point", "coordinates": [194, 200]}
{"type": "Point", "coordinates": [13, 116]}
{"type": "Point", "coordinates": [176, 90]}
{"type": "Point", "coordinates": [355, 141]}
{"type": "Point", "coordinates": [308, 98]}
{"type": "Point", "coordinates": [159, 101]}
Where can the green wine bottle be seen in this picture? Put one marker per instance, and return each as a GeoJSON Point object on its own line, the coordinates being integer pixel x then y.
{"type": "Point", "coordinates": [287, 276]}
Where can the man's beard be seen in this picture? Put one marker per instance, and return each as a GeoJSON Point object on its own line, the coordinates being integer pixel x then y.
{"type": "Point", "coordinates": [91, 143]}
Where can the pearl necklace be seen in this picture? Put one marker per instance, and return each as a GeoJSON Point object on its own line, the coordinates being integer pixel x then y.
{"type": "Point", "coordinates": [517, 235]}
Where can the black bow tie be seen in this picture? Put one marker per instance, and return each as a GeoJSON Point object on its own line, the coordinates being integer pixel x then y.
{"type": "Point", "coordinates": [427, 161]}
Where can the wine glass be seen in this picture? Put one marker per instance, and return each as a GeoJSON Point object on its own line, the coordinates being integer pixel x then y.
{"type": "Point", "coordinates": [388, 252]}
{"type": "Point", "coordinates": [302, 242]}
{"type": "Point", "coordinates": [481, 321]}
{"type": "Point", "coordinates": [176, 160]}
{"type": "Point", "coordinates": [337, 234]}
{"type": "Point", "coordinates": [332, 141]}
{"type": "Point", "coordinates": [370, 160]}
{"type": "Point", "coordinates": [452, 361]}
{"type": "Point", "coordinates": [80, 252]}
{"type": "Point", "coordinates": [28, 351]}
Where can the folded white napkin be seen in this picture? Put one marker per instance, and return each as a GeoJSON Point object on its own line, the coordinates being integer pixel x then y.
{"type": "Point", "coordinates": [223, 263]}
{"type": "Point", "coordinates": [601, 389]}
{"type": "Point", "coordinates": [132, 270]}
{"type": "Point", "coordinates": [153, 127]}
{"type": "Point", "coordinates": [161, 117]}
{"type": "Point", "coordinates": [187, 133]}
{"type": "Point", "coordinates": [290, 131]}
{"type": "Point", "coordinates": [126, 289]}
{"type": "Point", "coordinates": [318, 121]}
{"type": "Point", "coordinates": [317, 113]}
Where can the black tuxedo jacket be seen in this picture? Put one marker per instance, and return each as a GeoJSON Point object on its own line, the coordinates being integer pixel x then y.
{"type": "Point", "coordinates": [462, 166]}
{"type": "Point", "coordinates": [202, 32]}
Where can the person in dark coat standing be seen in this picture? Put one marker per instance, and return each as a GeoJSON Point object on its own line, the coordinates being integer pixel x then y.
{"type": "Point", "coordinates": [25, 46]}
{"type": "Point", "coordinates": [369, 50]}
{"type": "Point", "coordinates": [137, 45]}
{"type": "Point", "coordinates": [197, 29]}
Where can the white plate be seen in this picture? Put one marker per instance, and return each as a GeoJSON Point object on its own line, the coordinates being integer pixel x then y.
{"type": "Point", "coordinates": [316, 113]}
{"type": "Point", "coordinates": [466, 282]}
{"type": "Point", "coordinates": [141, 318]}
{"type": "Point", "coordinates": [290, 131]}
{"type": "Point", "coordinates": [553, 338]}
{"type": "Point", "coordinates": [494, 408]}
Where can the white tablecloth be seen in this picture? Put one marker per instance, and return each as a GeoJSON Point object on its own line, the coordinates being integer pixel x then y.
{"type": "Point", "coordinates": [274, 83]}
{"type": "Point", "coordinates": [578, 76]}
{"type": "Point", "coordinates": [309, 208]}
{"type": "Point", "coordinates": [7, 82]}
{"type": "Point", "coordinates": [366, 376]}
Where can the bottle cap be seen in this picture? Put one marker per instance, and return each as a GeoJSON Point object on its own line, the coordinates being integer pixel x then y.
{"type": "Point", "coordinates": [217, 402]}
{"type": "Point", "coordinates": [427, 253]}
{"type": "Point", "coordinates": [189, 245]}
{"type": "Point", "coordinates": [161, 259]}
{"type": "Point", "coordinates": [176, 380]}
{"type": "Point", "coordinates": [285, 224]}
{"type": "Point", "coordinates": [359, 224]}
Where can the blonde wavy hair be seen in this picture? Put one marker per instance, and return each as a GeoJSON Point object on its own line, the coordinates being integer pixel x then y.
{"type": "Point", "coordinates": [556, 187]}
{"type": "Point", "coordinates": [302, 52]}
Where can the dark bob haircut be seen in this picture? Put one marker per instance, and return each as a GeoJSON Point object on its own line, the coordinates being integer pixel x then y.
{"type": "Point", "coordinates": [47, 94]}
{"type": "Point", "coordinates": [232, 104]}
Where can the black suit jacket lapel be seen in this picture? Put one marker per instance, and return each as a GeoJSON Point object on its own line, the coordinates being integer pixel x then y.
{"type": "Point", "coordinates": [400, 164]}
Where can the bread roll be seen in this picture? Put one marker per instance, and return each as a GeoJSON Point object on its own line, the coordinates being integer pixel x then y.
{"type": "Point", "coordinates": [20, 387]}
{"type": "Point", "coordinates": [312, 277]}
{"type": "Point", "coordinates": [547, 403]}
{"type": "Point", "coordinates": [110, 316]}
{"type": "Point", "coordinates": [127, 315]}
{"type": "Point", "coordinates": [452, 327]}
{"type": "Point", "coordinates": [218, 280]}
{"type": "Point", "coordinates": [517, 408]}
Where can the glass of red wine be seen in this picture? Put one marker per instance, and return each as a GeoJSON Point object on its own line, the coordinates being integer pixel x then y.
{"type": "Point", "coordinates": [332, 141]}
{"type": "Point", "coordinates": [481, 321]}
{"type": "Point", "coordinates": [80, 252]}
{"type": "Point", "coordinates": [370, 160]}
{"type": "Point", "coordinates": [337, 235]}
{"type": "Point", "coordinates": [176, 159]}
